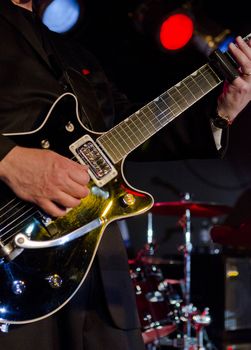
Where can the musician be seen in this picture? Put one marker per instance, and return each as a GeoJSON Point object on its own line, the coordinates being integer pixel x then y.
{"type": "Point", "coordinates": [33, 65]}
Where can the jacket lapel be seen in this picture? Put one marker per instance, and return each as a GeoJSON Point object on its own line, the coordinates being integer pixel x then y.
{"type": "Point", "coordinates": [10, 13]}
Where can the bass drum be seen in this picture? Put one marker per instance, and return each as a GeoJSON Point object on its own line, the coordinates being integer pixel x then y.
{"type": "Point", "coordinates": [153, 306]}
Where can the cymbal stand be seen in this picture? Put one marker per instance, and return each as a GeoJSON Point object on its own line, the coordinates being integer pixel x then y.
{"type": "Point", "coordinates": [149, 247]}
{"type": "Point", "coordinates": [200, 321]}
{"type": "Point", "coordinates": [188, 307]}
{"type": "Point", "coordinates": [150, 240]}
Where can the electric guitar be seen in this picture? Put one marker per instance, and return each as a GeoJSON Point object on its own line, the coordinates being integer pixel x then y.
{"type": "Point", "coordinates": [43, 260]}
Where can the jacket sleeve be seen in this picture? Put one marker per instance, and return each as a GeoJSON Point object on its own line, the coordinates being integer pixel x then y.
{"type": "Point", "coordinates": [6, 144]}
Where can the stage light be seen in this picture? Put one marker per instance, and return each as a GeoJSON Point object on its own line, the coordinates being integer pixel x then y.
{"type": "Point", "coordinates": [223, 45]}
{"type": "Point", "coordinates": [61, 16]}
{"type": "Point", "coordinates": [176, 31]}
{"type": "Point", "coordinates": [207, 42]}
{"type": "Point", "coordinates": [169, 24]}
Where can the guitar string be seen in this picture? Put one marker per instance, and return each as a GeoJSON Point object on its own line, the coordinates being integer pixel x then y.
{"type": "Point", "coordinates": [136, 125]}
{"type": "Point", "coordinates": [126, 125]}
{"type": "Point", "coordinates": [27, 206]}
{"type": "Point", "coordinates": [145, 113]}
{"type": "Point", "coordinates": [14, 212]}
{"type": "Point", "coordinates": [169, 107]}
{"type": "Point", "coordinates": [20, 216]}
{"type": "Point", "coordinates": [201, 76]}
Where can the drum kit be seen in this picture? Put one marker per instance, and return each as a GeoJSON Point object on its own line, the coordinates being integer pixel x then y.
{"type": "Point", "coordinates": [167, 316]}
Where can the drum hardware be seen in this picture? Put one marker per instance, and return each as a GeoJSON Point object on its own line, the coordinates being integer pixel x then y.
{"type": "Point", "coordinates": [155, 260]}
{"type": "Point", "coordinates": [166, 313]}
{"type": "Point", "coordinates": [154, 308]}
{"type": "Point", "coordinates": [200, 321]}
{"type": "Point", "coordinates": [197, 209]}
{"type": "Point", "coordinates": [186, 315]}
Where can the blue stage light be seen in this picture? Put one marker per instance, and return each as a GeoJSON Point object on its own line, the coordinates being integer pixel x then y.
{"type": "Point", "coordinates": [61, 15]}
{"type": "Point", "coordinates": [223, 46]}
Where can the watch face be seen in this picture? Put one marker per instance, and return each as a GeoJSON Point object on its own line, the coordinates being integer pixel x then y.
{"type": "Point", "coordinates": [221, 123]}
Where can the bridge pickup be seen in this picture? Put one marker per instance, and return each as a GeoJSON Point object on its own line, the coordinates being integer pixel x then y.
{"type": "Point", "coordinates": [87, 152]}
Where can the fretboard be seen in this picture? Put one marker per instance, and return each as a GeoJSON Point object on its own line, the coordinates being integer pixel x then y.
{"type": "Point", "coordinates": [141, 125]}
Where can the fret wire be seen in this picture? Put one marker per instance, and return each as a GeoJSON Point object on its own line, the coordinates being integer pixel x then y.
{"type": "Point", "coordinates": [161, 100]}
{"type": "Point", "coordinates": [122, 123]}
{"type": "Point", "coordinates": [108, 144]}
{"type": "Point", "coordinates": [135, 121]}
{"type": "Point", "coordinates": [186, 94]}
{"type": "Point", "coordinates": [150, 110]}
{"type": "Point", "coordinates": [133, 135]}
{"type": "Point", "coordinates": [170, 93]}
{"type": "Point", "coordinates": [211, 74]}
{"type": "Point", "coordinates": [163, 109]}
{"type": "Point", "coordinates": [180, 95]}
{"type": "Point", "coordinates": [122, 140]}
{"type": "Point", "coordinates": [161, 117]}
{"type": "Point", "coordinates": [154, 110]}
{"type": "Point", "coordinates": [107, 140]}
{"type": "Point", "coordinates": [168, 109]}
{"type": "Point", "coordinates": [130, 133]}
{"type": "Point", "coordinates": [146, 121]}
{"type": "Point", "coordinates": [145, 117]}
{"type": "Point", "coordinates": [169, 101]}
{"type": "Point", "coordinates": [155, 122]}
{"type": "Point", "coordinates": [189, 93]}
{"type": "Point", "coordinates": [118, 140]}
{"type": "Point", "coordinates": [166, 116]}
{"type": "Point", "coordinates": [157, 103]}
{"type": "Point", "coordinates": [141, 126]}
{"type": "Point", "coordinates": [135, 118]}
{"type": "Point", "coordinates": [198, 80]}
{"type": "Point", "coordinates": [199, 85]}
{"type": "Point", "coordinates": [195, 88]}
{"type": "Point", "coordinates": [185, 103]}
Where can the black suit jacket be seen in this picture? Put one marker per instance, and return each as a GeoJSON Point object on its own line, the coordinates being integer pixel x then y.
{"type": "Point", "coordinates": [27, 74]}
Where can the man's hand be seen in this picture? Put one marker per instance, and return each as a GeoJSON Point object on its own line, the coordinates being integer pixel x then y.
{"type": "Point", "coordinates": [237, 95]}
{"type": "Point", "coordinates": [45, 178]}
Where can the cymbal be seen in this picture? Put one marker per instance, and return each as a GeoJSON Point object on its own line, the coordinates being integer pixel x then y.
{"type": "Point", "coordinates": [232, 236]}
{"type": "Point", "coordinates": [155, 260]}
{"type": "Point", "coordinates": [199, 209]}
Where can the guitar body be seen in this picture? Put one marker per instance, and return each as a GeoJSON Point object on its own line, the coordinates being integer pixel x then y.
{"type": "Point", "coordinates": [35, 283]}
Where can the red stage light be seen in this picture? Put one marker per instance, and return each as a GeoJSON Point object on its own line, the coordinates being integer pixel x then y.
{"type": "Point", "coordinates": [176, 31]}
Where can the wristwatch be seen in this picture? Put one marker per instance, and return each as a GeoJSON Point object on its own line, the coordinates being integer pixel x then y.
{"type": "Point", "coordinates": [221, 122]}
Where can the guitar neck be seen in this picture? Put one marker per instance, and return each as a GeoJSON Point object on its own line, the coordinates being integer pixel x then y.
{"type": "Point", "coordinates": [144, 123]}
